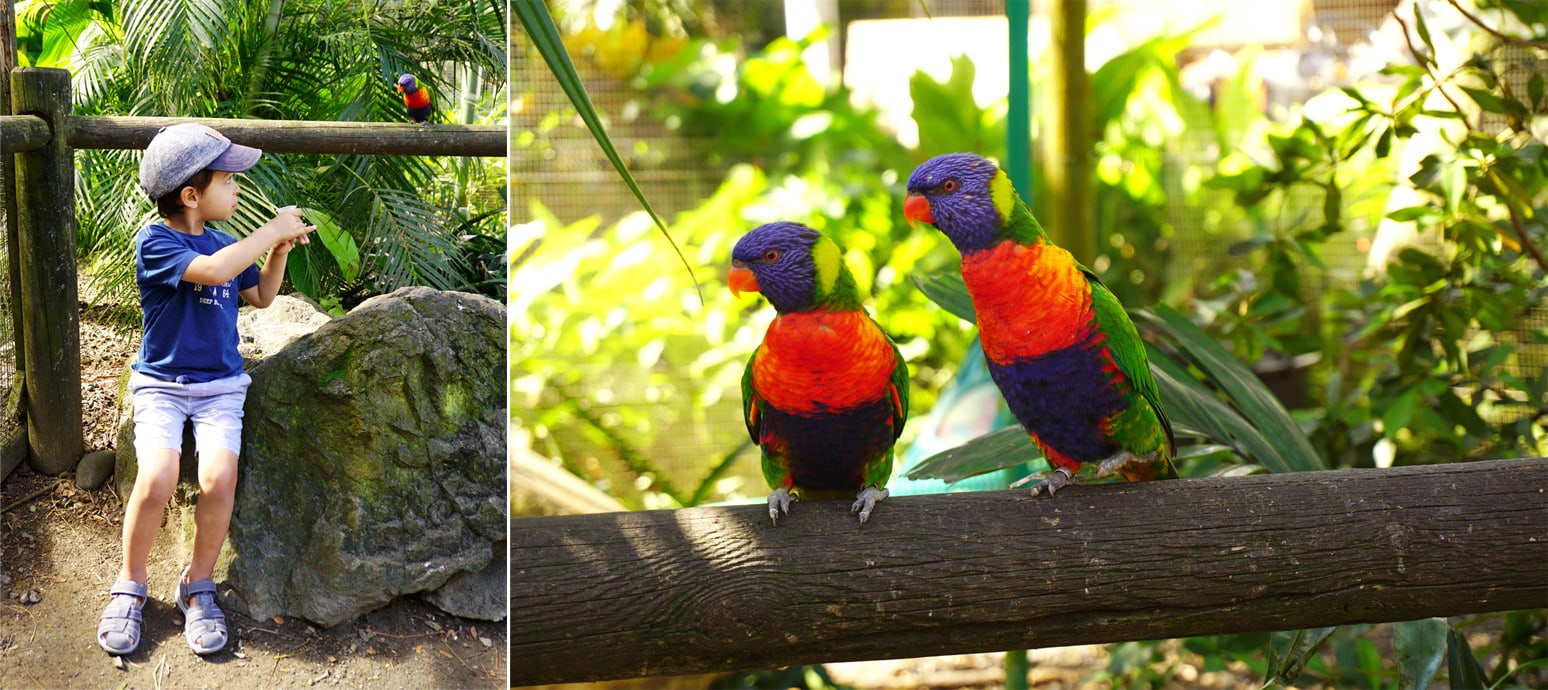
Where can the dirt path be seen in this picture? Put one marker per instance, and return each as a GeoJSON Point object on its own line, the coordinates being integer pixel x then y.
{"type": "Point", "coordinates": [62, 547]}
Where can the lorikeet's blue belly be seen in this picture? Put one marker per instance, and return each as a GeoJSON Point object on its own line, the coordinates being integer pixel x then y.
{"type": "Point", "coordinates": [1064, 398]}
{"type": "Point", "coordinates": [829, 451]}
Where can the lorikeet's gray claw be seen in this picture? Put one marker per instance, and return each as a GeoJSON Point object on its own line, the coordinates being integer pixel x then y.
{"type": "Point", "coordinates": [1055, 480]}
{"type": "Point", "coordinates": [866, 501]}
{"type": "Point", "coordinates": [779, 504]}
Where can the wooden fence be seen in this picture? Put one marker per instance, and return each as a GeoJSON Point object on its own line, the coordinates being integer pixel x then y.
{"type": "Point", "coordinates": [48, 342]}
{"type": "Point", "coordinates": [720, 589]}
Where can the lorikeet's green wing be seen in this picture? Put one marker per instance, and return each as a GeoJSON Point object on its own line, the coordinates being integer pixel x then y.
{"type": "Point", "coordinates": [879, 470]}
{"type": "Point", "coordinates": [774, 469]}
{"type": "Point", "coordinates": [1131, 428]}
{"type": "Point", "coordinates": [750, 402]}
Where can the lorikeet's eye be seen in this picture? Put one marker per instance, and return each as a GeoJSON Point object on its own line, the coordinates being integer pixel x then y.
{"type": "Point", "coordinates": [771, 255]}
{"type": "Point", "coordinates": [950, 185]}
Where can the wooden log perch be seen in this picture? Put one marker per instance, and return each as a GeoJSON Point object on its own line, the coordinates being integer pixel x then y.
{"type": "Point", "coordinates": [20, 133]}
{"type": "Point", "coordinates": [302, 136]}
{"type": "Point", "coordinates": [654, 593]}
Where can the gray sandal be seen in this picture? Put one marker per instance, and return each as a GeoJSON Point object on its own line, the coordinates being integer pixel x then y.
{"type": "Point", "coordinates": [119, 631]}
{"type": "Point", "coordinates": [204, 624]}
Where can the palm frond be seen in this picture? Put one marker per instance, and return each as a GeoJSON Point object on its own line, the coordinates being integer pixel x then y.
{"type": "Point", "coordinates": [409, 242]}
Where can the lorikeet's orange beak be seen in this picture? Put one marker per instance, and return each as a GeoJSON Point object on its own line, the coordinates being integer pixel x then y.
{"type": "Point", "coordinates": [741, 279]}
{"type": "Point", "coordinates": [916, 207]}
{"type": "Point", "coordinates": [400, 89]}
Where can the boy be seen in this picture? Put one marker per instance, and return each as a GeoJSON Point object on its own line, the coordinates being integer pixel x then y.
{"type": "Point", "coordinates": [188, 367]}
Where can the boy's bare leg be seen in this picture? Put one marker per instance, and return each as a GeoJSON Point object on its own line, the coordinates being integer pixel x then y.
{"type": "Point", "coordinates": [153, 486]}
{"type": "Point", "coordinates": [212, 517]}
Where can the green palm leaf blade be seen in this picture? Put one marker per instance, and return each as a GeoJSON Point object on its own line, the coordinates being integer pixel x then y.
{"type": "Point", "coordinates": [1462, 664]}
{"type": "Point", "coordinates": [545, 36]}
{"type": "Point", "coordinates": [1193, 408]}
{"type": "Point", "coordinates": [995, 450]}
{"type": "Point", "coordinates": [1420, 645]}
{"type": "Point", "coordinates": [1240, 385]}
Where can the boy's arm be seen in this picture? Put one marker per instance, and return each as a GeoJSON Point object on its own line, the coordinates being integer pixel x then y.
{"type": "Point", "coordinates": [231, 260]}
{"type": "Point", "coordinates": [269, 277]}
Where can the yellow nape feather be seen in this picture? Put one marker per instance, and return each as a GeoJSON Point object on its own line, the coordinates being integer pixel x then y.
{"type": "Point", "coordinates": [1003, 193]}
{"type": "Point", "coordinates": [826, 257]}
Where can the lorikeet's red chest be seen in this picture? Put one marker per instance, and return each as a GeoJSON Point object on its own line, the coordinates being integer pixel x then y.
{"type": "Point", "coordinates": [820, 361]}
{"type": "Point", "coordinates": [1030, 300]}
{"type": "Point", "coordinates": [418, 99]}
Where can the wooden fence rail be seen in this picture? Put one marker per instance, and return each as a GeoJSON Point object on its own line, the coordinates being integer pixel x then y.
{"type": "Point", "coordinates": [300, 136]}
{"type": "Point", "coordinates": [44, 239]}
{"type": "Point", "coordinates": [21, 133]}
{"type": "Point", "coordinates": [697, 590]}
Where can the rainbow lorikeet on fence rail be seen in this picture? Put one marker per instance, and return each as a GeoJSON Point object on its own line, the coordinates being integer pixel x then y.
{"type": "Point", "coordinates": [826, 393]}
{"type": "Point", "coordinates": [1060, 347]}
{"type": "Point", "coordinates": [415, 99]}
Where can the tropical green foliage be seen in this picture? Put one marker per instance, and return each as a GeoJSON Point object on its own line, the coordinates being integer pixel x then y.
{"type": "Point", "coordinates": [384, 221]}
{"type": "Point", "coordinates": [1443, 352]}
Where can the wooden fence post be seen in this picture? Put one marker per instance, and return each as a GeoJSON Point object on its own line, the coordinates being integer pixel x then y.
{"type": "Point", "coordinates": [45, 184]}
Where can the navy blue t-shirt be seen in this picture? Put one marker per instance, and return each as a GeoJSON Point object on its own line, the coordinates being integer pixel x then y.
{"type": "Point", "coordinates": [190, 329]}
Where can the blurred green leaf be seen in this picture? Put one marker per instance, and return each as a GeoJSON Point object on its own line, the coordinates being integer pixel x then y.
{"type": "Point", "coordinates": [1289, 652]}
{"type": "Point", "coordinates": [947, 290]}
{"type": "Point", "coordinates": [1420, 647]}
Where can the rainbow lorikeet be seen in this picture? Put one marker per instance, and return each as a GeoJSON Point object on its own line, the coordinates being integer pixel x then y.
{"type": "Point", "coordinates": [1060, 347]}
{"type": "Point", "coordinates": [826, 393]}
{"type": "Point", "coordinates": [415, 99]}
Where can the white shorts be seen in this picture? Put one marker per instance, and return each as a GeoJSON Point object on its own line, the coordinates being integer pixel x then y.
{"type": "Point", "coordinates": [162, 407]}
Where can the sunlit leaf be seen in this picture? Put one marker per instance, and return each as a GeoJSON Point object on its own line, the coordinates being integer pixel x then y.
{"type": "Point", "coordinates": [1008, 447]}
{"type": "Point", "coordinates": [545, 36]}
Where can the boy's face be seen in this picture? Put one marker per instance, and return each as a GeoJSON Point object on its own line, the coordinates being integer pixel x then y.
{"type": "Point", "coordinates": [219, 199]}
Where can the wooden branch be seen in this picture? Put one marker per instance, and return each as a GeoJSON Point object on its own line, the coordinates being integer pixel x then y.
{"type": "Point", "coordinates": [719, 589]}
{"type": "Point", "coordinates": [303, 136]}
{"type": "Point", "coordinates": [19, 133]}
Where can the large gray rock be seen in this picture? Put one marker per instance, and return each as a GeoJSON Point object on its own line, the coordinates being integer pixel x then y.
{"type": "Point", "coordinates": [372, 461]}
{"type": "Point", "coordinates": [373, 458]}
{"type": "Point", "coordinates": [480, 595]}
{"type": "Point", "coordinates": [266, 331]}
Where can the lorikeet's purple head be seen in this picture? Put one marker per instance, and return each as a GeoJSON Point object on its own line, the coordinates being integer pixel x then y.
{"type": "Point", "coordinates": [964, 195]}
{"type": "Point", "coordinates": [407, 84]}
{"type": "Point", "coordinates": [794, 266]}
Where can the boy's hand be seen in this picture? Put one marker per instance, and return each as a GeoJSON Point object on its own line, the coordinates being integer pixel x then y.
{"type": "Point", "coordinates": [289, 229]}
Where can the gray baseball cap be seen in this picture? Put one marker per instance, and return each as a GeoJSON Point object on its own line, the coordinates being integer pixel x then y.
{"type": "Point", "coordinates": [179, 151]}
